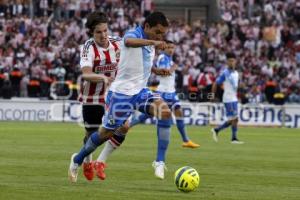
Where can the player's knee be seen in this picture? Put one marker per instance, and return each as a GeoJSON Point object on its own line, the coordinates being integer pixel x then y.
{"type": "Point", "coordinates": [178, 112]}
{"type": "Point", "coordinates": [235, 123]}
{"type": "Point", "coordinates": [166, 114]}
{"type": "Point", "coordinates": [105, 134]}
{"type": "Point", "coordinates": [124, 129]}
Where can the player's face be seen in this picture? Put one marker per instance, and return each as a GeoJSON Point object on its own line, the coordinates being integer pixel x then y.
{"type": "Point", "coordinates": [170, 50]}
{"type": "Point", "coordinates": [155, 32]}
{"type": "Point", "coordinates": [100, 34]}
{"type": "Point", "coordinates": [231, 62]}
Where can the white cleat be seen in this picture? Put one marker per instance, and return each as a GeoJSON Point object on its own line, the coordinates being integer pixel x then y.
{"type": "Point", "coordinates": [237, 142]}
{"type": "Point", "coordinates": [159, 169]}
{"type": "Point", "coordinates": [73, 169]}
{"type": "Point", "coordinates": [214, 135]}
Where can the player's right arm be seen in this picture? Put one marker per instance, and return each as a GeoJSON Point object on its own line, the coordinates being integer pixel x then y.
{"type": "Point", "coordinates": [87, 57]}
{"type": "Point", "coordinates": [219, 81]}
{"type": "Point", "coordinates": [89, 75]}
{"type": "Point", "coordinates": [132, 39]}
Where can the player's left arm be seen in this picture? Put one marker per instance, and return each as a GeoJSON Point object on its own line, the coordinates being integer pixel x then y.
{"type": "Point", "coordinates": [160, 72]}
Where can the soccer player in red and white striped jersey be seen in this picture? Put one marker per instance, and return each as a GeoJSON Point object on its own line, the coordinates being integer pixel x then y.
{"type": "Point", "coordinates": [99, 58]}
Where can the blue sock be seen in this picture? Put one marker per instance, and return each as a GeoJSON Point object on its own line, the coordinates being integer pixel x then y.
{"type": "Point", "coordinates": [181, 128]}
{"type": "Point", "coordinates": [91, 144]}
{"type": "Point", "coordinates": [163, 137]}
{"type": "Point", "coordinates": [234, 132]}
{"type": "Point", "coordinates": [223, 126]}
{"type": "Point", "coordinates": [141, 118]}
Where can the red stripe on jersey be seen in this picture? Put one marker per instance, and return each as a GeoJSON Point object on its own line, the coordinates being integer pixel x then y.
{"type": "Point", "coordinates": [91, 92]}
{"type": "Point", "coordinates": [115, 46]}
{"type": "Point", "coordinates": [107, 61]}
{"type": "Point", "coordinates": [107, 57]}
{"type": "Point", "coordinates": [97, 56]}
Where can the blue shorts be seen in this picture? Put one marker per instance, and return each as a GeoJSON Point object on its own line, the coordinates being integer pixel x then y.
{"type": "Point", "coordinates": [120, 106]}
{"type": "Point", "coordinates": [231, 109]}
{"type": "Point", "coordinates": [171, 99]}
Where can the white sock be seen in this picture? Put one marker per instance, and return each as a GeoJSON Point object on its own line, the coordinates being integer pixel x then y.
{"type": "Point", "coordinates": [88, 158]}
{"type": "Point", "coordinates": [106, 151]}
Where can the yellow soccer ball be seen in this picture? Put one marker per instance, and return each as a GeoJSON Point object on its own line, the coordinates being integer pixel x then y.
{"type": "Point", "coordinates": [186, 179]}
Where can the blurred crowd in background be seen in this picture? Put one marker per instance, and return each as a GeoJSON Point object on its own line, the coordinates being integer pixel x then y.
{"type": "Point", "coordinates": [39, 45]}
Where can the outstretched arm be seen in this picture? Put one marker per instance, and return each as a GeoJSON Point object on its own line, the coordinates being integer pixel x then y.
{"type": "Point", "coordinates": [138, 42]}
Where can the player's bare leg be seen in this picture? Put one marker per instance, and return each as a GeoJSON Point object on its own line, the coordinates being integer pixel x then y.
{"type": "Point", "coordinates": [215, 131]}
{"type": "Point", "coordinates": [234, 139]}
{"type": "Point", "coordinates": [158, 108]}
{"type": "Point", "coordinates": [181, 128]}
{"type": "Point", "coordinates": [94, 141]}
{"type": "Point", "coordinates": [110, 146]}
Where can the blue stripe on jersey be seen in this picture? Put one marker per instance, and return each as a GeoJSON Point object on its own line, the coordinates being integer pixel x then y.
{"type": "Point", "coordinates": [221, 78]}
{"type": "Point", "coordinates": [114, 38]}
{"type": "Point", "coordinates": [87, 44]}
{"type": "Point", "coordinates": [226, 74]}
{"type": "Point", "coordinates": [136, 33]}
{"type": "Point", "coordinates": [163, 61]}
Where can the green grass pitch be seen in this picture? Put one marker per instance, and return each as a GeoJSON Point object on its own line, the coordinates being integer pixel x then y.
{"type": "Point", "coordinates": [34, 158]}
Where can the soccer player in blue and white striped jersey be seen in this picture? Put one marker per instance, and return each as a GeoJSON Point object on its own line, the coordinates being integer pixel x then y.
{"type": "Point", "coordinates": [230, 80]}
{"type": "Point", "coordinates": [129, 91]}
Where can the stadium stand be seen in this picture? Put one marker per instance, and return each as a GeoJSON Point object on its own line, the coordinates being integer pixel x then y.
{"type": "Point", "coordinates": [39, 44]}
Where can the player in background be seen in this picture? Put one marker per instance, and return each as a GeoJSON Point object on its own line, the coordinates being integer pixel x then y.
{"type": "Point", "coordinates": [166, 89]}
{"type": "Point", "coordinates": [129, 92]}
{"type": "Point", "coordinates": [229, 78]}
{"type": "Point", "coordinates": [98, 61]}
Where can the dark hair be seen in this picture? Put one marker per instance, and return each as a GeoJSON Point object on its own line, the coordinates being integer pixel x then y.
{"type": "Point", "coordinates": [169, 42]}
{"type": "Point", "coordinates": [230, 55]}
{"type": "Point", "coordinates": [156, 18]}
{"type": "Point", "coordinates": [93, 20]}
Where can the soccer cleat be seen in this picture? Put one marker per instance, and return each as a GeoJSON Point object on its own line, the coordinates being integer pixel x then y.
{"type": "Point", "coordinates": [99, 167]}
{"type": "Point", "coordinates": [159, 169]}
{"type": "Point", "coordinates": [73, 169]}
{"type": "Point", "coordinates": [236, 142]}
{"type": "Point", "coordinates": [88, 171]}
{"type": "Point", "coordinates": [214, 134]}
{"type": "Point", "coordinates": [190, 144]}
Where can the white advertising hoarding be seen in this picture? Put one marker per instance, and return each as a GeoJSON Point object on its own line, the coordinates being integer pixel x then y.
{"type": "Point", "coordinates": [194, 113]}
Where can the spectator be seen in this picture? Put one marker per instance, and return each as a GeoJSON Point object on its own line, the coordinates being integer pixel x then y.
{"type": "Point", "coordinates": [263, 34]}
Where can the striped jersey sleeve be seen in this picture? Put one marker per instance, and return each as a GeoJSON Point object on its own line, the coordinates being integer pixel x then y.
{"type": "Point", "coordinates": [87, 54]}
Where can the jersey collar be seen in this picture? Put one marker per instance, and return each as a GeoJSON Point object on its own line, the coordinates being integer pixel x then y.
{"type": "Point", "coordinates": [166, 55]}
{"type": "Point", "coordinates": [109, 45]}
